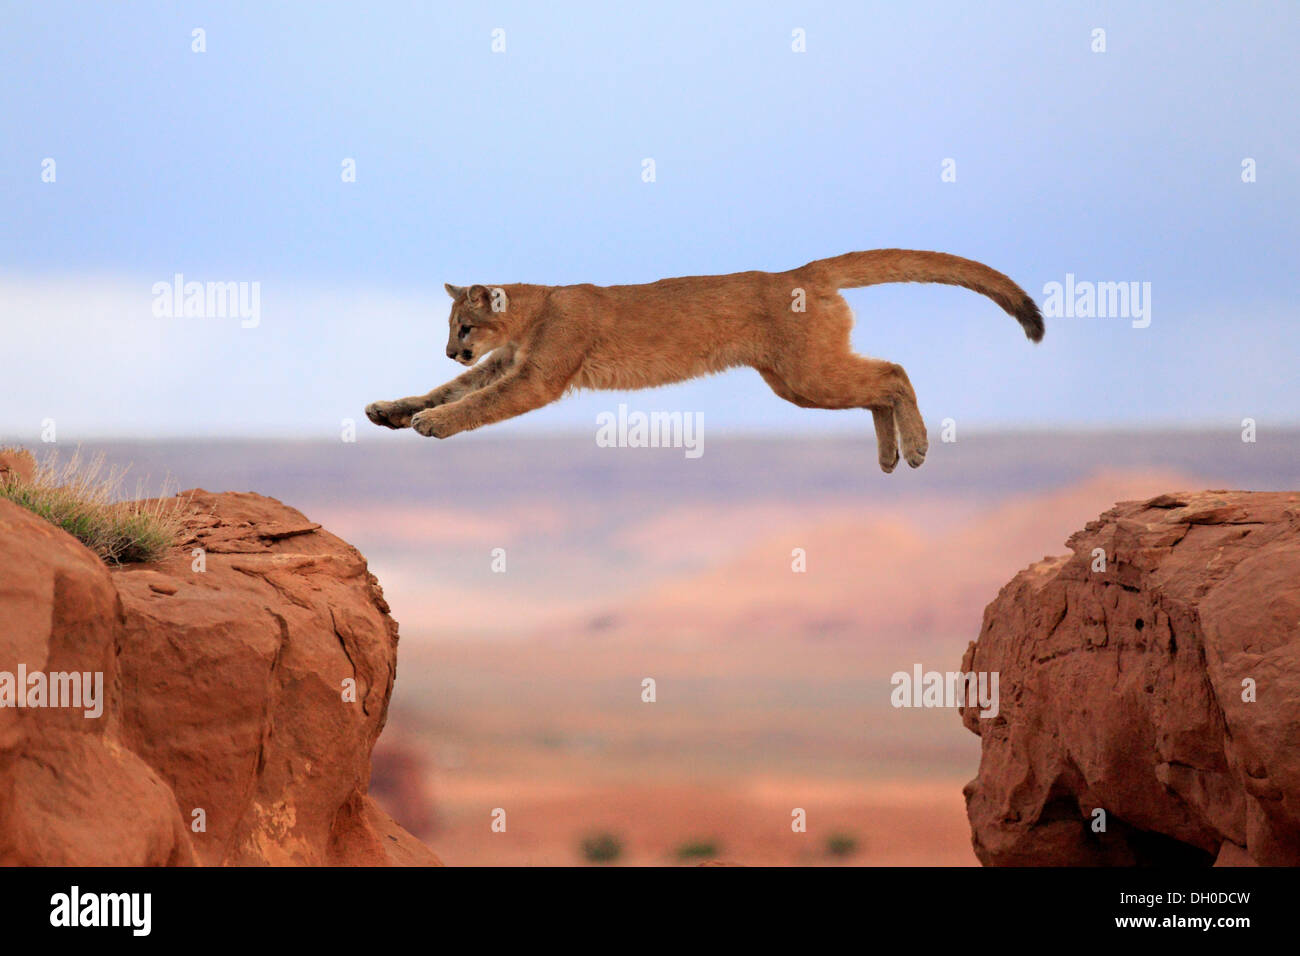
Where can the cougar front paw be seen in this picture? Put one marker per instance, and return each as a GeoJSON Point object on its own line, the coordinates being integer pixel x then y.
{"type": "Point", "coordinates": [432, 423]}
{"type": "Point", "coordinates": [389, 414]}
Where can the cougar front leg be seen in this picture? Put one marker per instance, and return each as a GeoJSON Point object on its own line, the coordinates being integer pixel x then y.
{"type": "Point", "coordinates": [399, 412]}
{"type": "Point", "coordinates": [522, 390]}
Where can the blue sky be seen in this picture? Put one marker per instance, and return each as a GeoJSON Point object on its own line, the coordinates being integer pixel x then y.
{"type": "Point", "coordinates": [525, 165]}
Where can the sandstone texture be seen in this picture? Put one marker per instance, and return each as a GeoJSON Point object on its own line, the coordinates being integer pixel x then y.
{"type": "Point", "coordinates": [1153, 675]}
{"type": "Point", "coordinates": [246, 679]}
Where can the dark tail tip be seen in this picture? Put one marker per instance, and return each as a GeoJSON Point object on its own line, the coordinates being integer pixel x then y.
{"type": "Point", "coordinates": [1030, 319]}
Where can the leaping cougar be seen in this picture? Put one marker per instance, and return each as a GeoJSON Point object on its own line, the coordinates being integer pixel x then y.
{"type": "Point", "coordinates": [540, 341]}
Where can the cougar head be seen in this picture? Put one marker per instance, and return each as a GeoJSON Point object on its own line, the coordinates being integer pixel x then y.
{"type": "Point", "coordinates": [476, 325]}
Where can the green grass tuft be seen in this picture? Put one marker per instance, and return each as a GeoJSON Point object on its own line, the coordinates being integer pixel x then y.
{"type": "Point", "coordinates": [697, 850]}
{"type": "Point", "coordinates": [84, 499]}
{"type": "Point", "coordinates": [602, 848]}
{"type": "Point", "coordinates": [841, 844]}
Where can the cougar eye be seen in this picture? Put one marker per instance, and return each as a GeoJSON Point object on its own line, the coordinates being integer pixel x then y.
{"type": "Point", "coordinates": [464, 331]}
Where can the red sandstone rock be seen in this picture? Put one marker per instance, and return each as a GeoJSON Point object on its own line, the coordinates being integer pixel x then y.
{"type": "Point", "coordinates": [227, 692]}
{"type": "Point", "coordinates": [1125, 690]}
{"type": "Point", "coordinates": [69, 792]}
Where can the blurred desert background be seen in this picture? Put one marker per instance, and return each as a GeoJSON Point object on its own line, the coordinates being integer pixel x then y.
{"type": "Point", "coordinates": [522, 689]}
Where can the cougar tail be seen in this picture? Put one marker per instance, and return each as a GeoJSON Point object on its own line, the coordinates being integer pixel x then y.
{"type": "Point", "coordinates": [879, 266]}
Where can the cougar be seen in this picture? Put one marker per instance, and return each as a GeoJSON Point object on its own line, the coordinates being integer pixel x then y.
{"type": "Point", "coordinates": [527, 345]}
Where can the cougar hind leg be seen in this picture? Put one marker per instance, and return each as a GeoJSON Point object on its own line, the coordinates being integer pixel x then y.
{"type": "Point", "coordinates": [886, 438]}
{"type": "Point", "coordinates": [852, 381]}
{"type": "Point", "coordinates": [883, 416]}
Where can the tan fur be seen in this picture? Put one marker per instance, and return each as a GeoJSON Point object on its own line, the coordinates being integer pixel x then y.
{"type": "Point", "coordinates": [541, 341]}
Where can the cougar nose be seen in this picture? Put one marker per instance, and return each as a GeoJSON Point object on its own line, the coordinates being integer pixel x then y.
{"type": "Point", "coordinates": [451, 353]}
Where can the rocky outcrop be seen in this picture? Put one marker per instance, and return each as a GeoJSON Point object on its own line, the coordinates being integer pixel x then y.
{"type": "Point", "coordinates": [1149, 680]}
{"type": "Point", "coordinates": [246, 678]}
{"type": "Point", "coordinates": [16, 463]}
{"type": "Point", "coordinates": [70, 793]}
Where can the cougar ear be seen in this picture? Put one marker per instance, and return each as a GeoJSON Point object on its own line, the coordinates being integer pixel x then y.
{"type": "Point", "coordinates": [478, 297]}
{"type": "Point", "coordinates": [455, 291]}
